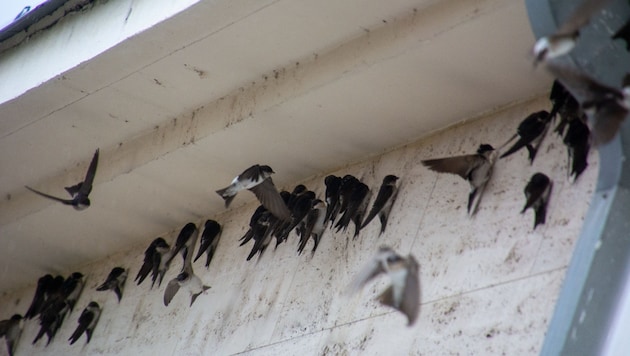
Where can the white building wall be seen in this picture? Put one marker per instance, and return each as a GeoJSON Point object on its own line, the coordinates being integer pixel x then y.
{"type": "Point", "coordinates": [489, 283]}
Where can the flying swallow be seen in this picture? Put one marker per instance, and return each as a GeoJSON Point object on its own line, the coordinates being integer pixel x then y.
{"type": "Point", "coordinates": [537, 192]}
{"type": "Point", "coordinates": [87, 322]}
{"type": "Point", "coordinates": [115, 281]}
{"type": "Point", "coordinates": [333, 185]}
{"type": "Point", "coordinates": [607, 107]}
{"type": "Point", "coordinates": [356, 203]}
{"type": "Point", "coordinates": [257, 179]}
{"type": "Point", "coordinates": [315, 225]}
{"type": "Point", "coordinates": [185, 243]}
{"type": "Point", "coordinates": [564, 39]}
{"type": "Point", "coordinates": [209, 240]}
{"type": "Point", "coordinates": [624, 34]}
{"type": "Point", "coordinates": [530, 132]}
{"type": "Point", "coordinates": [187, 280]}
{"type": "Point", "coordinates": [11, 329]}
{"type": "Point", "coordinates": [152, 257]}
{"type": "Point", "coordinates": [578, 145]}
{"type": "Point", "coordinates": [43, 285]}
{"type": "Point", "coordinates": [78, 192]}
{"type": "Point", "coordinates": [384, 201]}
{"type": "Point", "coordinates": [475, 168]}
{"type": "Point", "coordinates": [404, 292]}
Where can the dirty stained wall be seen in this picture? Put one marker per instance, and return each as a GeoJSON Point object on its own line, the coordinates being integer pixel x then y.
{"type": "Point", "coordinates": [488, 284]}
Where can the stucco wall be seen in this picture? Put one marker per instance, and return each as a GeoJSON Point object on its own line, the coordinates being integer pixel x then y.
{"type": "Point", "coordinates": [489, 283]}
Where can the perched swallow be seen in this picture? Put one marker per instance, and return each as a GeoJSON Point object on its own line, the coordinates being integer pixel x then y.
{"type": "Point", "coordinates": [356, 206]}
{"type": "Point", "coordinates": [565, 105]}
{"type": "Point", "coordinates": [300, 208]}
{"type": "Point", "coordinates": [185, 243]}
{"type": "Point", "coordinates": [531, 132]}
{"type": "Point", "coordinates": [348, 183]}
{"type": "Point", "coordinates": [187, 280]}
{"type": "Point", "coordinates": [475, 168]}
{"type": "Point", "coordinates": [78, 192]}
{"type": "Point", "coordinates": [564, 39]}
{"type": "Point", "coordinates": [315, 225]}
{"type": "Point", "coordinates": [257, 179]}
{"type": "Point", "coordinates": [624, 34]}
{"type": "Point", "coordinates": [11, 330]}
{"type": "Point", "coordinates": [261, 234]}
{"type": "Point", "coordinates": [71, 288]}
{"type": "Point", "coordinates": [607, 107]}
{"type": "Point", "coordinates": [87, 322]}
{"type": "Point", "coordinates": [152, 256]}
{"type": "Point", "coordinates": [209, 240]}
{"type": "Point", "coordinates": [404, 292]}
{"type": "Point", "coordinates": [578, 145]}
{"type": "Point", "coordinates": [333, 185]}
{"type": "Point", "coordinates": [252, 223]}
{"type": "Point", "coordinates": [51, 318]}
{"type": "Point", "coordinates": [115, 281]}
{"type": "Point", "coordinates": [537, 192]}
{"type": "Point", "coordinates": [43, 286]}
{"type": "Point", "coordinates": [384, 202]}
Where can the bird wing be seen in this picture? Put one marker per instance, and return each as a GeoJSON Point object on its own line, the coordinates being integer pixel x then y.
{"type": "Point", "coordinates": [382, 197]}
{"type": "Point", "coordinates": [171, 289]}
{"type": "Point", "coordinates": [460, 165]}
{"type": "Point", "coordinates": [411, 296]}
{"type": "Point", "coordinates": [269, 197]}
{"type": "Point", "coordinates": [65, 201]}
{"type": "Point", "coordinates": [372, 269]}
{"type": "Point", "coordinates": [581, 16]}
{"type": "Point", "coordinates": [86, 187]}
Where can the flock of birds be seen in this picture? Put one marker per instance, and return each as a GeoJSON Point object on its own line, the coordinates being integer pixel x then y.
{"type": "Point", "coordinates": [594, 115]}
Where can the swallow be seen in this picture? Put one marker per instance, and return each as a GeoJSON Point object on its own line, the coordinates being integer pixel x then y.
{"type": "Point", "coordinates": [300, 208]}
{"type": "Point", "coordinates": [346, 188]}
{"type": "Point", "coordinates": [187, 280]}
{"type": "Point", "coordinates": [577, 141]}
{"type": "Point", "coordinates": [87, 322]}
{"type": "Point", "coordinates": [565, 105]}
{"type": "Point", "coordinates": [404, 292]}
{"type": "Point", "coordinates": [384, 201]}
{"type": "Point", "coordinates": [564, 39]}
{"type": "Point", "coordinates": [257, 179]}
{"type": "Point", "coordinates": [185, 243]}
{"type": "Point", "coordinates": [475, 168]}
{"type": "Point", "coordinates": [624, 34]}
{"type": "Point", "coordinates": [71, 289]}
{"type": "Point", "coordinates": [530, 132]}
{"type": "Point", "coordinates": [252, 223]}
{"type": "Point", "coordinates": [315, 225]}
{"type": "Point", "coordinates": [262, 234]}
{"type": "Point", "coordinates": [115, 281]}
{"type": "Point", "coordinates": [51, 318]}
{"type": "Point", "coordinates": [537, 192]}
{"type": "Point", "coordinates": [43, 285]}
{"type": "Point", "coordinates": [607, 107]}
{"type": "Point", "coordinates": [152, 257]}
{"type": "Point", "coordinates": [11, 330]}
{"type": "Point", "coordinates": [356, 205]}
{"type": "Point", "coordinates": [209, 240]}
{"type": "Point", "coordinates": [333, 185]}
{"type": "Point", "coordinates": [78, 192]}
